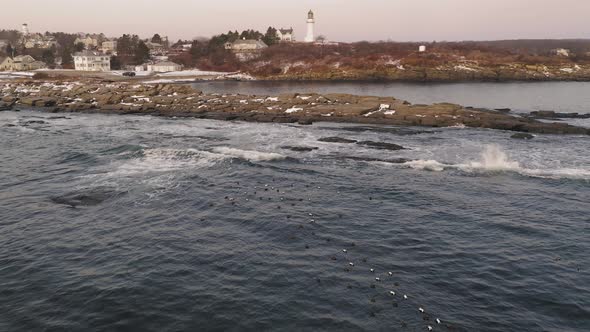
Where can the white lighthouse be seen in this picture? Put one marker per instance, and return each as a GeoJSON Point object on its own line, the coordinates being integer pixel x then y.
{"type": "Point", "coordinates": [25, 29]}
{"type": "Point", "coordinates": [310, 23]}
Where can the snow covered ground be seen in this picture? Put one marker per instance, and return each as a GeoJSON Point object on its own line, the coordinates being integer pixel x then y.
{"type": "Point", "coordinates": [192, 72]}
{"type": "Point", "coordinates": [15, 74]}
{"type": "Point", "coordinates": [168, 80]}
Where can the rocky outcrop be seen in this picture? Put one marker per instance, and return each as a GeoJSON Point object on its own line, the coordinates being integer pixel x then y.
{"type": "Point", "coordinates": [5, 106]}
{"type": "Point", "coordinates": [381, 145]}
{"type": "Point", "coordinates": [184, 101]}
{"type": "Point", "coordinates": [337, 140]}
{"type": "Point", "coordinates": [522, 136]}
{"type": "Point", "coordinates": [453, 71]}
{"type": "Point", "coordinates": [557, 115]}
{"type": "Point", "coordinates": [300, 148]}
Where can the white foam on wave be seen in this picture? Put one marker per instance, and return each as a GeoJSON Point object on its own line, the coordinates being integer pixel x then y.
{"type": "Point", "coordinates": [494, 159]}
{"type": "Point", "coordinates": [428, 165]}
{"type": "Point", "coordinates": [158, 161]}
{"type": "Point", "coordinates": [249, 154]}
{"type": "Point", "coordinates": [165, 160]}
{"type": "Point", "coordinates": [159, 169]}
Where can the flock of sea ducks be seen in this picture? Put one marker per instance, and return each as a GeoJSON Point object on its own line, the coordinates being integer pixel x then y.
{"type": "Point", "coordinates": [432, 324]}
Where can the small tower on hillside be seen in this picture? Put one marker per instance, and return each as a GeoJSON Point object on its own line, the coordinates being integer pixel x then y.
{"type": "Point", "coordinates": [25, 29]}
{"type": "Point", "coordinates": [310, 23]}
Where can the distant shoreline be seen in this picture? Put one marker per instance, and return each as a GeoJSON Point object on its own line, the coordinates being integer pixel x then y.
{"type": "Point", "coordinates": [410, 75]}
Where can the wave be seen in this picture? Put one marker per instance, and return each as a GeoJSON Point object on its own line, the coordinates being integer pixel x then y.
{"type": "Point", "coordinates": [123, 149]}
{"type": "Point", "coordinates": [248, 154]}
{"type": "Point", "coordinates": [494, 160]}
{"type": "Point", "coordinates": [161, 160]}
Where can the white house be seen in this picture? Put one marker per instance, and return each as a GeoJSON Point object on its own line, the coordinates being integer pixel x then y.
{"type": "Point", "coordinates": [246, 45]}
{"type": "Point", "coordinates": [246, 49]}
{"type": "Point", "coordinates": [422, 48]}
{"type": "Point", "coordinates": [164, 66]}
{"type": "Point", "coordinates": [285, 35]}
{"type": "Point", "coordinates": [92, 61]}
{"type": "Point", "coordinates": [562, 52]}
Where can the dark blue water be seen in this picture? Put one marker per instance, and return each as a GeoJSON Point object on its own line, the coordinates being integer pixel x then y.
{"type": "Point", "coordinates": [136, 223]}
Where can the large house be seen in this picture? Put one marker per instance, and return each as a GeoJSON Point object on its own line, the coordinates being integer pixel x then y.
{"type": "Point", "coordinates": [21, 63]}
{"type": "Point", "coordinates": [88, 41]}
{"type": "Point", "coordinates": [246, 49]}
{"type": "Point", "coordinates": [109, 47]}
{"type": "Point", "coordinates": [164, 66]}
{"type": "Point", "coordinates": [285, 35]}
{"type": "Point", "coordinates": [37, 40]}
{"type": "Point", "coordinates": [92, 61]}
{"type": "Point", "coordinates": [155, 48]}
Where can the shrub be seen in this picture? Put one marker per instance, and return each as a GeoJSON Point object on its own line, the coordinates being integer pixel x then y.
{"type": "Point", "coordinates": [40, 76]}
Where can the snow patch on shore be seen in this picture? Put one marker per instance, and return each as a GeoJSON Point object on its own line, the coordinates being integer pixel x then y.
{"type": "Point", "coordinates": [293, 109]}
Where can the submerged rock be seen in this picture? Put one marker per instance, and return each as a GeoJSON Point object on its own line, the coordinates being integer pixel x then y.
{"type": "Point", "coordinates": [503, 110]}
{"type": "Point", "coordinates": [305, 122]}
{"type": "Point", "coordinates": [299, 148]}
{"type": "Point", "coordinates": [33, 122]}
{"type": "Point", "coordinates": [90, 198]}
{"type": "Point", "coordinates": [381, 145]}
{"type": "Point", "coordinates": [557, 115]}
{"type": "Point", "coordinates": [522, 136]}
{"type": "Point", "coordinates": [337, 140]}
{"type": "Point", "coordinates": [370, 159]}
{"type": "Point", "coordinates": [5, 106]}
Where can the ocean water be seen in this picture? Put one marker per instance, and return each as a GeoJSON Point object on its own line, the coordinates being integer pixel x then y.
{"type": "Point", "coordinates": [139, 223]}
{"type": "Point", "coordinates": [519, 96]}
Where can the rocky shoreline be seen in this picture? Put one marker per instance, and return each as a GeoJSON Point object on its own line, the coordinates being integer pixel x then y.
{"type": "Point", "coordinates": [454, 72]}
{"type": "Point", "coordinates": [184, 101]}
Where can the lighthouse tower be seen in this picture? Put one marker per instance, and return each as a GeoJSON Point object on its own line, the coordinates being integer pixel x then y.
{"type": "Point", "coordinates": [25, 29]}
{"type": "Point", "coordinates": [310, 23]}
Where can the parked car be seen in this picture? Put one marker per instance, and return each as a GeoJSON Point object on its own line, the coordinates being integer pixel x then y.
{"type": "Point", "coordinates": [129, 73]}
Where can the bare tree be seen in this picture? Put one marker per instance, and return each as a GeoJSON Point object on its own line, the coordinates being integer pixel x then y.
{"type": "Point", "coordinates": [321, 39]}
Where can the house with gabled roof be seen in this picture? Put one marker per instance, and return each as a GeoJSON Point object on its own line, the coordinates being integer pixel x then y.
{"type": "Point", "coordinates": [286, 35]}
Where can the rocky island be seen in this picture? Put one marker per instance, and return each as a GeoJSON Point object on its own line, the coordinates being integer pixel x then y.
{"type": "Point", "coordinates": [184, 101]}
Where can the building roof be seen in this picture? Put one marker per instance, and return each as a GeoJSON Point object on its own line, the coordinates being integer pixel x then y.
{"type": "Point", "coordinates": [24, 58]}
{"type": "Point", "coordinates": [89, 53]}
{"type": "Point", "coordinates": [286, 31]}
{"type": "Point", "coordinates": [258, 43]}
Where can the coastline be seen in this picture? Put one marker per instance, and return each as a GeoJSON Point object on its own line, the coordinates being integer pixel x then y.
{"type": "Point", "coordinates": [178, 100]}
{"type": "Point", "coordinates": [417, 75]}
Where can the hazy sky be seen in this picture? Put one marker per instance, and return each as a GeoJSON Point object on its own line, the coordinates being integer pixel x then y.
{"type": "Point", "coordinates": [339, 20]}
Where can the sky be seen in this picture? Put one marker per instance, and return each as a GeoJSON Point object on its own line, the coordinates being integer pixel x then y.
{"type": "Point", "coordinates": [338, 20]}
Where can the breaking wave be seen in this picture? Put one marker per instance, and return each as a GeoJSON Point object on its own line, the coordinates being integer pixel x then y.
{"type": "Point", "coordinates": [494, 159]}
{"type": "Point", "coordinates": [164, 160]}
{"type": "Point", "coordinates": [249, 155]}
